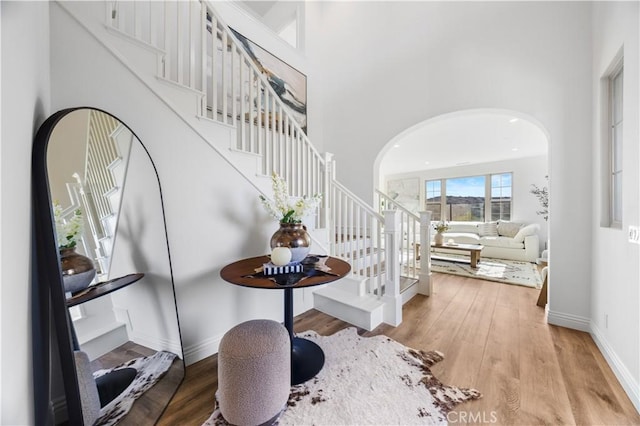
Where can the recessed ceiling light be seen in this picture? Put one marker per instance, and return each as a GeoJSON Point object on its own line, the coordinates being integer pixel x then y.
{"type": "Point", "coordinates": [396, 146]}
{"type": "Point", "coordinates": [513, 120]}
{"type": "Point", "coordinates": [426, 162]}
{"type": "Point", "coordinates": [514, 149]}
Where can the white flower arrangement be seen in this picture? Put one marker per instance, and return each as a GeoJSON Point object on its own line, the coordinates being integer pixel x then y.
{"type": "Point", "coordinates": [441, 226]}
{"type": "Point", "coordinates": [67, 232]}
{"type": "Point", "coordinates": [287, 209]}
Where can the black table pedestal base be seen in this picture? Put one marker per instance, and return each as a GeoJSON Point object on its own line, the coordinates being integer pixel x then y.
{"type": "Point", "coordinates": [307, 360]}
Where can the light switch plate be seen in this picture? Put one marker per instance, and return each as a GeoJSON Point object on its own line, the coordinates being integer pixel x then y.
{"type": "Point", "coordinates": [634, 234]}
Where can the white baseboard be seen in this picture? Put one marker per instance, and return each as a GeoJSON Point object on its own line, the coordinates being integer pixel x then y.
{"type": "Point", "coordinates": [575, 322]}
{"type": "Point", "coordinates": [629, 384]}
{"type": "Point", "coordinates": [157, 343]}
{"type": "Point", "coordinates": [200, 351]}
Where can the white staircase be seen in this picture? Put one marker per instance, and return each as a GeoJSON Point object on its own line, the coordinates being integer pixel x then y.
{"type": "Point", "coordinates": [187, 56]}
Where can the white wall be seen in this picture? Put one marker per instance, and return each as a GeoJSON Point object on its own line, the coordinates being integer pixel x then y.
{"type": "Point", "coordinates": [526, 171]}
{"type": "Point", "coordinates": [386, 66]}
{"type": "Point", "coordinates": [25, 105]}
{"type": "Point", "coordinates": [615, 292]}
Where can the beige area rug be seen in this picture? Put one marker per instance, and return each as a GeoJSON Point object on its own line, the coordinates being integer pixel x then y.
{"type": "Point", "coordinates": [500, 270]}
{"type": "Point", "coordinates": [369, 381]}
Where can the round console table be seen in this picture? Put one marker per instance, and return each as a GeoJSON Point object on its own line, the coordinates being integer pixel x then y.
{"type": "Point", "coordinates": [307, 358]}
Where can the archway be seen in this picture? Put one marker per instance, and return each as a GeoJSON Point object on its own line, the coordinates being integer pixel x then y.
{"type": "Point", "coordinates": [469, 143]}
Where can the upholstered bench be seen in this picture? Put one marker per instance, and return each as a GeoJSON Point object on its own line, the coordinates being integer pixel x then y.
{"type": "Point", "coordinates": [254, 372]}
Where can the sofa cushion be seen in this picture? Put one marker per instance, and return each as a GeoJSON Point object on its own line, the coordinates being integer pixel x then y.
{"type": "Point", "coordinates": [462, 237]}
{"type": "Point", "coordinates": [466, 227]}
{"type": "Point", "coordinates": [508, 229]}
{"type": "Point", "coordinates": [525, 231]}
{"type": "Point", "coordinates": [488, 229]}
{"type": "Point", "coordinates": [505, 242]}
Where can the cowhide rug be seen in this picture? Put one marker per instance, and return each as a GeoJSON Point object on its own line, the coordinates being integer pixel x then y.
{"type": "Point", "coordinates": [150, 370]}
{"type": "Point", "coordinates": [369, 380]}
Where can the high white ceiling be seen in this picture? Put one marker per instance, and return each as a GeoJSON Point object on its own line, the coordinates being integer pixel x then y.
{"type": "Point", "coordinates": [260, 8]}
{"type": "Point", "coordinates": [462, 140]}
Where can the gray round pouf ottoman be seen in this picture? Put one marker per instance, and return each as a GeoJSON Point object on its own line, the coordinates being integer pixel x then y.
{"type": "Point", "coordinates": [254, 372]}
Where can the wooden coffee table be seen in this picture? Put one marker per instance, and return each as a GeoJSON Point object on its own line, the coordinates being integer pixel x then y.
{"type": "Point", "coordinates": [473, 250]}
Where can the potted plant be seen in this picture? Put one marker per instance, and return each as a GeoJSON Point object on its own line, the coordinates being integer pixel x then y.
{"type": "Point", "coordinates": [542, 194]}
{"type": "Point", "coordinates": [440, 227]}
{"type": "Point", "coordinates": [289, 211]}
{"type": "Point", "coordinates": [77, 270]}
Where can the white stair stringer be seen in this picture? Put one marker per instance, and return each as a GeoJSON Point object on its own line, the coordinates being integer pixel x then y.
{"type": "Point", "coordinates": [142, 56]}
{"type": "Point", "coordinates": [184, 99]}
{"type": "Point", "coordinates": [354, 284]}
{"type": "Point", "coordinates": [148, 61]}
{"type": "Point", "coordinates": [365, 311]}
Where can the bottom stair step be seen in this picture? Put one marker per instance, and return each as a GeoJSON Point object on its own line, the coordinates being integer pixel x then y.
{"type": "Point", "coordinates": [363, 311]}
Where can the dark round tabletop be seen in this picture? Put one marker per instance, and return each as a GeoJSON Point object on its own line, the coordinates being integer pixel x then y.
{"type": "Point", "coordinates": [243, 273]}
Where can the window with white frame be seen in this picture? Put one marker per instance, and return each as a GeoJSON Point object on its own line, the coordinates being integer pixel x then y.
{"type": "Point", "coordinates": [433, 198]}
{"type": "Point", "coordinates": [616, 79]}
{"type": "Point", "coordinates": [501, 196]}
{"type": "Point", "coordinates": [470, 198]}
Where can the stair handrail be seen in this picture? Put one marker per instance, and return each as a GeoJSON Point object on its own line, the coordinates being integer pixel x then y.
{"type": "Point", "coordinates": [396, 205]}
{"type": "Point", "coordinates": [378, 285]}
{"type": "Point", "coordinates": [270, 113]}
{"type": "Point", "coordinates": [350, 230]}
{"type": "Point", "coordinates": [410, 230]}
{"type": "Point", "coordinates": [113, 21]}
{"type": "Point", "coordinates": [261, 76]}
{"type": "Point", "coordinates": [361, 203]}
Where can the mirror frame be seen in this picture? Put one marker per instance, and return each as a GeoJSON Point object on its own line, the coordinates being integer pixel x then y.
{"type": "Point", "coordinates": [48, 297]}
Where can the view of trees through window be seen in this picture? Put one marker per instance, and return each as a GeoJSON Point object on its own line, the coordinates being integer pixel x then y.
{"type": "Point", "coordinates": [472, 198]}
{"type": "Point", "coordinates": [465, 198]}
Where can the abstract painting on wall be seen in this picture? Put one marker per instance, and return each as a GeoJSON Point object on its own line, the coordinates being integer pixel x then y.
{"type": "Point", "coordinates": [289, 84]}
{"type": "Point", "coordinates": [405, 192]}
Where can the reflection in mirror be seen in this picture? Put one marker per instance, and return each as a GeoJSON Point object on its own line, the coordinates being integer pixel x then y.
{"type": "Point", "coordinates": [87, 169]}
{"type": "Point", "coordinates": [100, 171]}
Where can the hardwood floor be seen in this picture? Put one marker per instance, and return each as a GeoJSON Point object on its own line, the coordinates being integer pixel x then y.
{"type": "Point", "coordinates": [495, 339]}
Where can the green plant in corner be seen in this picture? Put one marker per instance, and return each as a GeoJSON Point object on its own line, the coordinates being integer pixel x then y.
{"type": "Point", "coordinates": [542, 194]}
{"type": "Point", "coordinates": [287, 209]}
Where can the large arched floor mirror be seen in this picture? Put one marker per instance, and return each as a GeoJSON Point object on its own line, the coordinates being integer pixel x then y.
{"type": "Point", "coordinates": [116, 322]}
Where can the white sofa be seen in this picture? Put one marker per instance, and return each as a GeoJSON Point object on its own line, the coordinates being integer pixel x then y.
{"type": "Point", "coordinates": [502, 239]}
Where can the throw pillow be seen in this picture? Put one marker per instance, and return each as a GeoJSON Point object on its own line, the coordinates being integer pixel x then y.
{"type": "Point", "coordinates": [508, 229]}
{"type": "Point", "coordinates": [488, 229]}
{"type": "Point", "coordinates": [525, 231]}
